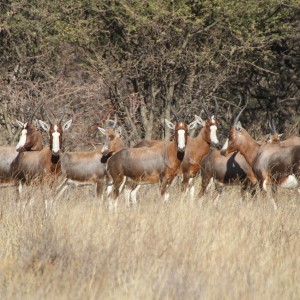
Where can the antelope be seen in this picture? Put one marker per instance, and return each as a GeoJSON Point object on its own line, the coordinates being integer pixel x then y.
{"type": "Point", "coordinates": [157, 164]}
{"type": "Point", "coordinates": [272, 164]}
{"type": "Point", "coordinates": [196, 149]}
{"type": "Point", "coordinates": [40, 164]}
{"type": "Point", "coordinates": [89, 168]}
{"type": "Point", "coordinates": [226, 170]}
{"type": "Point", "coordinates": [30, 140]}
{"type": "Point", "coordinates": [274, 137]}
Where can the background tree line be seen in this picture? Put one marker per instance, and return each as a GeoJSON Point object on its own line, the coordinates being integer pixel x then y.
{"type": "Point", "coordinates": [140, 58]}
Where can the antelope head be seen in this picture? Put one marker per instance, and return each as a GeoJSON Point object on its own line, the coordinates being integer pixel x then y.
{"type": "Point", "coordinates": [55, 131]}
{"type": "Point", "coordinates": [181, 132]}
{"type": "Point", "coordinates": [237, 135]}
{"type": "Point", "coordinates": [30, 137]}
{"type": "Point", "coordinates": [113, 141]}
{"type": "Point", "coordinates": [210, 125]}
{"type": "Point", "coordinates": [274, 136]}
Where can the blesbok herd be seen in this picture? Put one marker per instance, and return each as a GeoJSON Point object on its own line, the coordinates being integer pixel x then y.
{"type": "Point", "coordinates": [113, 167]}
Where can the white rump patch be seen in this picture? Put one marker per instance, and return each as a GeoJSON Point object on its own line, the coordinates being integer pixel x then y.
{"type": "Point", "coordinates": [213, 134]}
{"type": "Point", "coordinates": [22, 140]}
{"type": "Point", "coordinates": [290, 183]}
{"type": "Point", "coordinates": [181, 139]}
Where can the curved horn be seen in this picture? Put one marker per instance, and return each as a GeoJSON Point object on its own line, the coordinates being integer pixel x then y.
{"type": "Point", "coordinates": [236, 108]}
{"type": "Point", "coordinates": [33, 114]}
{"type": "Point", "coordinates": [44, 113]}
{"type": "Point", "coordinates": [205, 109]}
{"type": "Point", "coordinates": [216, 107]}
{"type": "Point", "coordinates": [271, 128]}
{"type": "Point", "coordinates": [115, 122]}
{"type": "Point", "coordinates": [106, 123]}
{"type": "Point", "coordinates": [186, 119]}
{"type": "Point", "coordinates": [242, 110]}
{"type": "Point", "coordinates": [273, 125]}
{"type": "Point", "coordinates": [175, 115]}
{"type": "Point", "coordinates": [62, 116]}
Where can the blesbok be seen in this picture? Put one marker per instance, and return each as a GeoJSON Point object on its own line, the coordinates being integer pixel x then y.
{"type": "Point", "coordinates": [30, 140]}
{"type": "Point", "coordinates": [231, 169]}
{"type": "Point", "coordinates": [41, 164]}
{"type": "Point", "coordinates": [196, 149]}
{"type": "Point", "coordinates": [275, 137]}
{"type": "Point", "coordinates": [89, 168]}
{"type": "Point", "coordinates": [157, 164]}
{"type": "Point", "coordinates": [272, 164]}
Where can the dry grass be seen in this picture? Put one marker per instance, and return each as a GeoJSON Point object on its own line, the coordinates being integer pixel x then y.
{"type": "Point", "coordinates": [77, 249]}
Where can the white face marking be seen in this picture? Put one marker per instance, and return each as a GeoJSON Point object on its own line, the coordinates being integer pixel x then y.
{"type": "Point", "coordinates": [181, 139]}
{"type": "Point", "coordinates": [213, 134]}
{"type": "Point", "coordinates": [225, 146]}
{"type": "Point", "coordinates": [104, 148]}
{"type": "Point", "coordinates": [55, 141]}
{"type": "Point", "coordinates": [22, 140]}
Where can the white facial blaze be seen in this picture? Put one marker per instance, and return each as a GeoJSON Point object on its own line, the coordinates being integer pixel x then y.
{"type": "Point", "coordinates": [55, 141]}
{"type": "Point", "coordinates": [181, 139]}
{"type": "Point", "coordinates": [104, 148]}
{"type": "Point", "coordinates": [22, 140]}
{"type": "Point", "coordinates": [213, 134]}
{"type": "Point", "coordinates": [225, 146]}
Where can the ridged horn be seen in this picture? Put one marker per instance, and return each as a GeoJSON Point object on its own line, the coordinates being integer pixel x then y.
{"type": "Point", "coordinates": [242, 110]}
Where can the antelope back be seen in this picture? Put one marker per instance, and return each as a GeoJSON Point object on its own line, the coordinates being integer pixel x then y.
{"type": "Point", "coordinates": [291, 141]}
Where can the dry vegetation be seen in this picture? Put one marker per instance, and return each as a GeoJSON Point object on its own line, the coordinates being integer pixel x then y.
{"type": "Point", "coordinates": [77, 249]}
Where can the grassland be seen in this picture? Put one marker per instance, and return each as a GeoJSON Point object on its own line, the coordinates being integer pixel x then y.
{"type": "Point", "coordinates": [77, 249]}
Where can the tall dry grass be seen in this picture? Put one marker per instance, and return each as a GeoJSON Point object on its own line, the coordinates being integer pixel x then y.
{"type": "Point", "coordinates": [77, 249]}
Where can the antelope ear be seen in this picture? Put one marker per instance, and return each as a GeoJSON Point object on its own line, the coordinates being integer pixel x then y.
{"type": "Point", "coordinates": [102, 130]}
{"type": "Point", "coordinates": [20, 124]}
{"type": "Point", "coordinates": [67, 125]}
{"type": "Point", "coordinates": [192, 125]}
{"type": "Point", "coordinates": [170, 124]}
{"type": "Point", "coordinates": [239, 126]}
{"type": "Point", "coordinates": [44, 125]}
{"type": "Point", "coordinates": [199, 121]}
